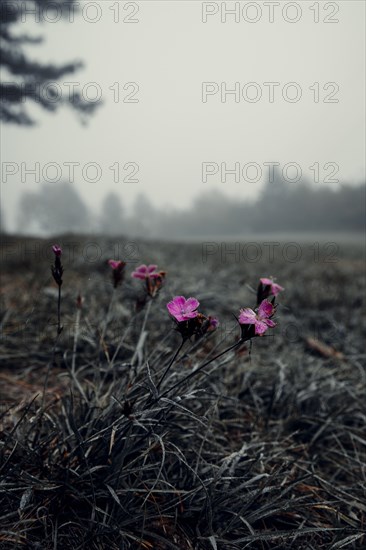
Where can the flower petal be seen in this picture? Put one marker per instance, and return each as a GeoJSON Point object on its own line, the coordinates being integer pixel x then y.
{"type": "Point", "coordinates": [265, 309]}
{"type": "Point", "coordinates": [266, 281]}
{"type": "Point", "coordinates": [276, 289]}
{"type": "Point", "coordinates": [179, 317]}
{"type": "Point", "coordinates": [115, 264]}
{"type": "Point", "coordinates": [176, 307]}
{"type": "Point", "coordinates": [247, 316]}
{"type": "Point", "coordinates": [191, 304]}
{"type": "Point", "coordinates": [180, 301]}
{"type": "Point", "coordinates": [138, 275]}
{"type": "Point", "coordinates": [151, 268]}
{"type": "Point", "coordinates": [189, 315]}
{"type": "Point", "coordinates": [57, 250]}
{"type": "Point", "coordinates": [173, 309]}
{"type": "Point", "coordinates": [260, 327]}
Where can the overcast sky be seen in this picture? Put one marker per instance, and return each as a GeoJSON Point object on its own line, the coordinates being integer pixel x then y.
{"type": "Point", "coordinates": [316, 113]}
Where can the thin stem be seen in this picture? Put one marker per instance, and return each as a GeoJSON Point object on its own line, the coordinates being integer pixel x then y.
{"type": "Point", "coordinates": [76, 337]}
{"type": "Point", "coordinates": [51, 363]}
{"type": "Point", "coordinates": [146, 315]}
{"type": "Point", "coordinates": [59, 329]}
{"type": "Point", "coordinates": [73, 360]}
{"type": "Point", "coordinates": [156, 349]}
{"type": "Point", "coordinates": [142, 331]}
{"type": "Point", "coordinates": [170, 364]}
{"type": "Point", "coordinates": [46, 381]}
{"type": "Point", "coordinates": [120, 343]}
{"type": "Point", "coordinates": [191, 374]}
{"type": "Point", "coordinates": [111, 301]}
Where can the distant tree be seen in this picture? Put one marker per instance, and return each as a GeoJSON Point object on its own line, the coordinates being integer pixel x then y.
{"type": "Point", "coordinates": [214, 213]}
{"type": "Point", "coordinates": [111, 219]}
{"type": "Point", "coordinates": [269, 209]}
{"type": "Point", "coordinates": [300, 206]}
{"type": "Point", "coordinates": [56, 208]}
{"type": "Point", "coordinates": [29, 210]}
{"type": "Point", "coordinates": [143, 221]}
{"type": "Point", "coordinates": [143, 209]}
{"type": "Point", "coordinates": [29, 79]}
{"type": "Point", "coordinates": [2, 221]}
{"type": "Point", "coordinates": [211, 214]}
{"type": "Point", "coordinates": [351, 208]}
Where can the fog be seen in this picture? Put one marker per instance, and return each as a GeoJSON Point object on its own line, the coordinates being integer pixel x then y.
{"type": "Point", "coordinates": [198, 107]}
{"type": "Point", "coordinates": [280, 208]}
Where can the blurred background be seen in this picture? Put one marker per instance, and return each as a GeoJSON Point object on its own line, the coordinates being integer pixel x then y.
{"type": "Point", "coordinates": [182, 120]}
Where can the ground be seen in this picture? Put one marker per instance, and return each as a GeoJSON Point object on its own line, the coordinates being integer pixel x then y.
{"type": "Point", "coordinates": [262, 448]}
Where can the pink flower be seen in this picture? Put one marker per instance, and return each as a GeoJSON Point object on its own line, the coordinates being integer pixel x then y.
{"type": "Point", "coordinates": [145, 272]}
{"type": "Point", "coordinates": [214, 323]}
{"type": "Point", "coordinates": [183, 309]}
{"type": "Point", "coordinates": [57, 250]}
{"type": "Point", "coordinates": [57, 269]}
{"type": "Point", "coordinates": [274, 287]}
{"type": "Point", "coordinates": [116, 264]}
{"type": "Point", "coordinates": [118, 271]}
{"type": "Point", "coordinates": [260, 320]}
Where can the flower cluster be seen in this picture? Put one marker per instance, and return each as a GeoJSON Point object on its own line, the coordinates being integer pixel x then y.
{"type": "Point", "coordinates": [189, 321]}
{"type": "Point", "coordinates": [252, 322]}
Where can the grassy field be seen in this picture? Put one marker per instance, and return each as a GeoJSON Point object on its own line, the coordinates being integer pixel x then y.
{"type": "Point", "coordinates": [264, 447]}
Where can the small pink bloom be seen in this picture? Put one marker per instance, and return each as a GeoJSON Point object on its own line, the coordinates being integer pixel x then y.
{"type": "Point", "coordinates": [214, 323]}
{"type": "Point", "coordinates": [260, 320]}
{"type": "Point", "coordinates": [57, 269]}
{"type": "Point", "coordinates": [274, 287]}
{"type": "Point", "coordinates": [118, 271]}
{"type": "Point", "coordinates": [116, 264]}
{"type": "Point", "coordinates": [183, 309]}
{"type": "Point", "coordinates": [145, 272]}
{"type": "Point", "coordinates": [57, 250]}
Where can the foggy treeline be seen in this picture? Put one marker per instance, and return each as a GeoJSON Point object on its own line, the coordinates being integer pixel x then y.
{"type": "Point", "coordinates": [281, 207]}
